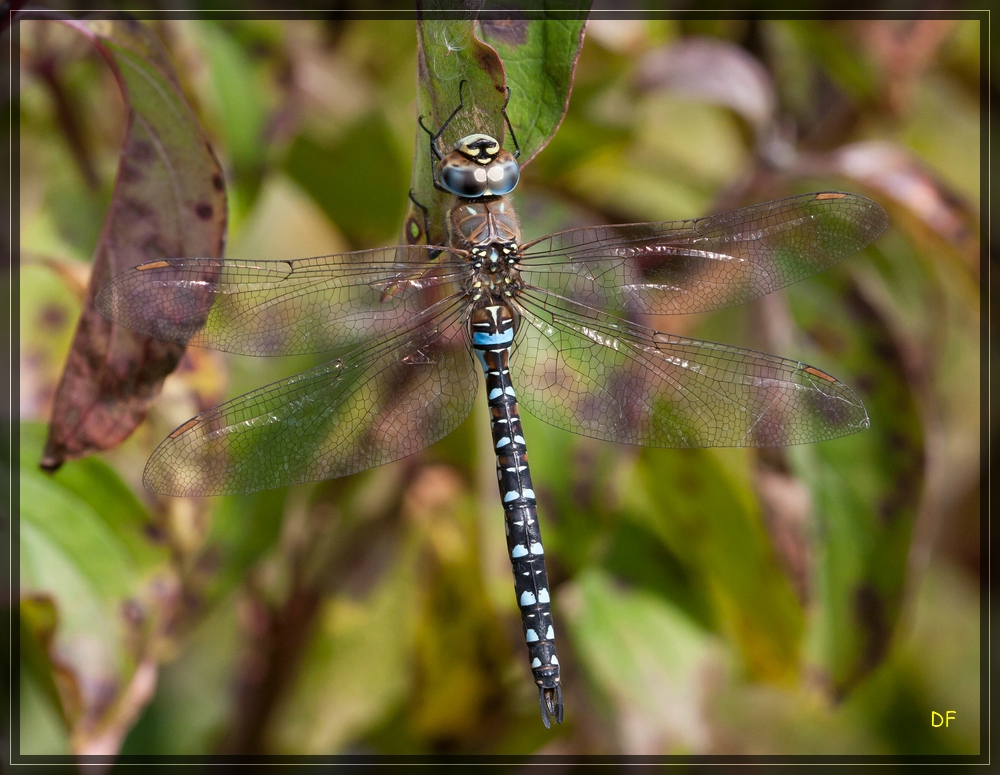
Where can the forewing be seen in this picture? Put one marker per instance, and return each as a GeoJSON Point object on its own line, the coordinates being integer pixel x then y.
{"type": "Point", "coordinates": [307, 305]}
{"type": "Point", "coordinates": [709, 263]}
{"type": "Point", "coordinates": [601, 376]}
{"type": "Point", "coordinates": [397, 395]}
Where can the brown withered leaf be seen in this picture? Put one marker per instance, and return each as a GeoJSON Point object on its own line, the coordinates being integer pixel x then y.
{"type": "Point", "coordinates": [169, 201]}
{"type": "Point", "coordinates": [904, 49]}
{"type": "Point", "coordinates": [716, 72]}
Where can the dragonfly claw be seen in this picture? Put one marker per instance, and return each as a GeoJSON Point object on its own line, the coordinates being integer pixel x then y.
{"type": "Point", "coordinates": [550, 701]}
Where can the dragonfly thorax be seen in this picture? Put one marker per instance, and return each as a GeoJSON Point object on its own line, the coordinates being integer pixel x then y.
{"type": "Point", "coordinates": [483, 223]}
{"type": "Point", "coordinates": [496, 277]}
{"type": "Point", "coordinates": [478, 167]}
{"type": "Point", "coordinates": [494, 257]}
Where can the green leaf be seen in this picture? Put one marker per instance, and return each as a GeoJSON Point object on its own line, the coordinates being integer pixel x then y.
{"type": "Point", "coordinates": [353, 670]}
{"type": "Point", "coordinates": [83, 546]}
{"type": "Point", "coordinates": [865, 487]}
{"type": "Point", "coordinates": [38, 622]}
{"type": "Point", "coordinates": [539, 58]}
{"type": "Point", "coordinates": [244, 529]}
{"type": "Point", "coordinates": [42, 719]}
{"type": "Point", "coordinates": [543, 55]}
{"type": "Point", "coordinates": [240, 102]}
{"type": "Point", "coordinates": [701, 505]}
{"type": "Point", "coordinates": [356, 180]}
{"type": "Point", "coordinates": [448, 52]}
{"type": "Point", "coordinates": [195, 698]}
{"type": "Point", "coordinates": [648, 659]}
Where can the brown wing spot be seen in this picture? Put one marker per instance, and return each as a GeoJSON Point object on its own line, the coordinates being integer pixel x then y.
{"type": "Point", "coordinates": [817, 373]}
{"type": "Point", "coordinates": [152, 265]}
{"type": "Point", "coordinates": [185, 427]}
{"type": "Point", "coordinates": [829, 195]}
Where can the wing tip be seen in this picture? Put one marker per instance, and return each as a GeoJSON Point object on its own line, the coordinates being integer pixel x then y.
{"type": "Point", "coordinates": [877, 223]}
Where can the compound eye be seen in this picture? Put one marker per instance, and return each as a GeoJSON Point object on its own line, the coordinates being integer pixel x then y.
{"type": "Point", "coordinates": [462, 177]}
{"type": "Point", "coordinates": [503, 174]}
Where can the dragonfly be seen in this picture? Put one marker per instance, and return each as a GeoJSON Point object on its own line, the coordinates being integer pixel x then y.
{"type": "Point", "coordinates": [555, 325]}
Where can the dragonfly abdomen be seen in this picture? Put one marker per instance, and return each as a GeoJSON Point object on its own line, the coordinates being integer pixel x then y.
{"type": "Point", "coordinates": [493, 327]}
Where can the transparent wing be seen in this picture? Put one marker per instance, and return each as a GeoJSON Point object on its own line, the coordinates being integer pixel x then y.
{"type": "Point", "coordinates": [397, 395]}
{"type": "Point", "coordinates": [594, 374]}
{"type": "Point", "coordinates": [307, 305]}
{"type": "Point", "coordinates": [709, 263]}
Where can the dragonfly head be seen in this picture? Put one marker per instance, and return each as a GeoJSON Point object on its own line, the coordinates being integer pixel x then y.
{"type": "Point", "coordinates": [478, 167]}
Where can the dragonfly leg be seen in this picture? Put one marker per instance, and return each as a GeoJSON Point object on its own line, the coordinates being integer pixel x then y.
{"type": "Point", "coordinates": [435, 155]}
{"type": "Point", "coordinates": [427, 225]}
{"type": "Point", "coordinates": [510, 128]}
{"type": "Point", "coordinates": [461, 104]}
{"type": "Point", "coordinates": [435, 138]}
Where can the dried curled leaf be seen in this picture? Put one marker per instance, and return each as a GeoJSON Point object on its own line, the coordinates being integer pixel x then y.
{"type": "Point", "coordinates": [169, 201]}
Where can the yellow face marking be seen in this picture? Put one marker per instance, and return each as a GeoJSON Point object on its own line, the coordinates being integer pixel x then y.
{"type": "Point", "coordinates": [817, 373]}
{"type": "Point", "coordinates": [464, 147]}
{"type": "Point", "coordinates": [830, 195]}
{"type": "Point", "coordinates": [186, 426]}
{"type": "Point", "coordinates": [152, 265]}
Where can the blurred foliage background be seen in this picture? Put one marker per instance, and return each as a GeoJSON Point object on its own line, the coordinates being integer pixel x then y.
{"type": "Point", "coordinates": [811, 600]}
